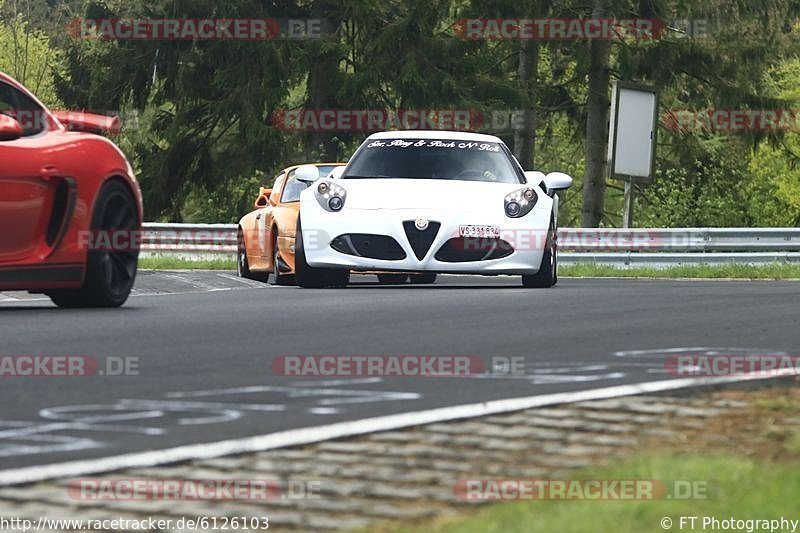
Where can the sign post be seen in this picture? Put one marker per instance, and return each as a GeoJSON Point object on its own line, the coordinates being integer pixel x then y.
{"type": "Point", "coordinates": [632, 138]}
{"type": "Point", "coordinates": [627, 213]}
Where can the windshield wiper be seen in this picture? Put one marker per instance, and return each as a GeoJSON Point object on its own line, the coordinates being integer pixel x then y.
{"type": "Point", "coordinates": [352, 177]}
{"type": "Point", "coordinates": [382, 176]}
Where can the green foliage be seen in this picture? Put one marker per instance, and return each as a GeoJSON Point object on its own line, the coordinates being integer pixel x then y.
{"type": "Point", "coordinates": [738, 486]}
{"type": "Point", "coordinates": [27, 55]}
{"type": "Point", "coordinates": [222, 204]}
{"type": "Point", "coordinates": [774, 166]}
{"type": "Point", "coordinates": [774, 188]}
{"type": "Point", "coordinates": [708, 192]}
{"type": "Point", "coordinates": [204, 139]}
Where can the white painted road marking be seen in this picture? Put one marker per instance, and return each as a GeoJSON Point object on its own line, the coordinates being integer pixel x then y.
{"type": "Point", "coordinates": [180, 408]}
{"type": "Point", "coordinates": [296, 437]}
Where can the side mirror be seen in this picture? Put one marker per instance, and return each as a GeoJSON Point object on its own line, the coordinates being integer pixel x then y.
{"type": "Point", "coordinates": [263, 197]}
{"type": "Point", "coordinates": [307, 173]}
{"type": "Point", "coordinates": [336, 173]}
{"type": "Point", "coordinates": [10, 129]}
{"type": "Point", "coordinates": [557, 181]}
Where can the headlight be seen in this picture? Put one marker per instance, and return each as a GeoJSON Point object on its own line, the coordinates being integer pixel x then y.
{"type": "Point", "coordinates": [335, 203]}
{"type": "Point", "coordinates": [520, 202]}
{"type": "Point", "coordinates": [330, 196]}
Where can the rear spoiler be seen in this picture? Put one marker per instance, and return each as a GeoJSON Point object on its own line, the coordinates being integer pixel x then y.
{"type": "Point", "coordinates": [89, 122]}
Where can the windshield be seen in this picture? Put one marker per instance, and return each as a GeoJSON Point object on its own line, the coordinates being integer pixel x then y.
{"type": "Point", "coordinates": [293, 188]}
{"type": "Point", "coordinates": [434, 159]}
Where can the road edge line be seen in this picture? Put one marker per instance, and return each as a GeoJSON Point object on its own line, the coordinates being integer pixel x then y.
{"type": "Point", "coordinates": [338, 430]}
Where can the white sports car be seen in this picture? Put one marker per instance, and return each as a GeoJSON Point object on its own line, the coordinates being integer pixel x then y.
{"type": "Point", "coordinates": [411, 204]}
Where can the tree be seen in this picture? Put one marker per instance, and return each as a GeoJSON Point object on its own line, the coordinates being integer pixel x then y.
{"type": "Point", "coordinates": [597, 108]}
{"type": "Point", "coordinates": [205, 107]}
{"type": "Point", "coordinates": [26, 52]}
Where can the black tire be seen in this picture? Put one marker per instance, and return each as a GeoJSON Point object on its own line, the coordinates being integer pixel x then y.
{"type": "Point", "coordinates": [555, 266]}
{"type": "Point", "coordinates": [338, 278]}
{"type": "Point", "coordinates": [278, 278]}
{"type": "Point", "coordinates": [110, 274]}
{"type": "Point", "coordinates": [242, 264]}
{"type": "Point", "coordinates": [392, 279]}
{"type": "Point", "coordinates": [423, 279]}
{"type": "Point", "coordinates": [548, 270]}
{"type": "Point", "coordinates": [310, 277]}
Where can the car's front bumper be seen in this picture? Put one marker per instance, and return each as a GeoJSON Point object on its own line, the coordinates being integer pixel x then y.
{"type": "Point", "coordinates": [527, 236]}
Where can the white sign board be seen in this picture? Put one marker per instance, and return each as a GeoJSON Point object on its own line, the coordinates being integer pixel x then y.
{"type": "Point", "coordinates": [632, 131]}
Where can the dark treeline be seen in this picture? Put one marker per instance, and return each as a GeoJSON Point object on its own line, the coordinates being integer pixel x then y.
{"type": "Point", "coordinates": [202, 114]}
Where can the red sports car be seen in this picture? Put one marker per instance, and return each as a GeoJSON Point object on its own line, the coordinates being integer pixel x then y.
{"type": "Point", "coordinates": [62, 188]}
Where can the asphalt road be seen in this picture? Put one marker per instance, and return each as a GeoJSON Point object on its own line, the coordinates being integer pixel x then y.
{"type": "Point", "coordinates": [204, 354]}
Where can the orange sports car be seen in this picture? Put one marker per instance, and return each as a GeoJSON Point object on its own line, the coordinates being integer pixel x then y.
{"type": "Point", "coordinates": [266, 235]}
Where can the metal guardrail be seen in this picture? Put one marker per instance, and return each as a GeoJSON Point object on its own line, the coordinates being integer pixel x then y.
{"type": "Point", "coordinates": [621, 247]}
{"type": "Point", "coordinates": [171, 238]}
{"type": "Point", "coordinates": [681, 239]}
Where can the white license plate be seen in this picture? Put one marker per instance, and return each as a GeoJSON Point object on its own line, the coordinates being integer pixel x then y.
{"type": "Point", "coordinates": [479, 231]}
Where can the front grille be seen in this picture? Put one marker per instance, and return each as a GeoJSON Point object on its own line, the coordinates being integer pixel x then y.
{"type": "Point", "coordinates": [469, 249]}
{"type": "Point", "coordinates": [368, 245]}
{"type": "Point", "coordinates": [420, 240]}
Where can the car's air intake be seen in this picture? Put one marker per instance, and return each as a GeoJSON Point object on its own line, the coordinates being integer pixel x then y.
{"type": "Point", "coordinates": [470, 249]}
{"type": "Point", "coordinates": [421, 239]}
{"type": "Point", "coordinates": [368, 245]}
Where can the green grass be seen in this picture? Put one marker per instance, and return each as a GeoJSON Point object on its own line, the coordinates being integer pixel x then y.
{"type": "Point", "coordinates": [782, 407]}
{"type": "Point", "coordinates": [731, 270]}
{"type": "Point", "coordinates": [772, 271]}
{"type": "Point", "coordinates": [738, 487]}
{"type": "Point", "coordinates": [175, 263]}
{"type": "Point", "coordinates": [781, 403]}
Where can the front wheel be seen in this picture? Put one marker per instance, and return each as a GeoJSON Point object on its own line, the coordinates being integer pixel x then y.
{"type": "Point", "coordinates": [279, 278]}
{"type": "Point", "coordinates": [548, 270]}
{"type": "Point", "coordinates": [242, 264]}
{"type": "Point", "coordinates": [109, 273]}
{"type": "Point", "coordinates": [310, 277]}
